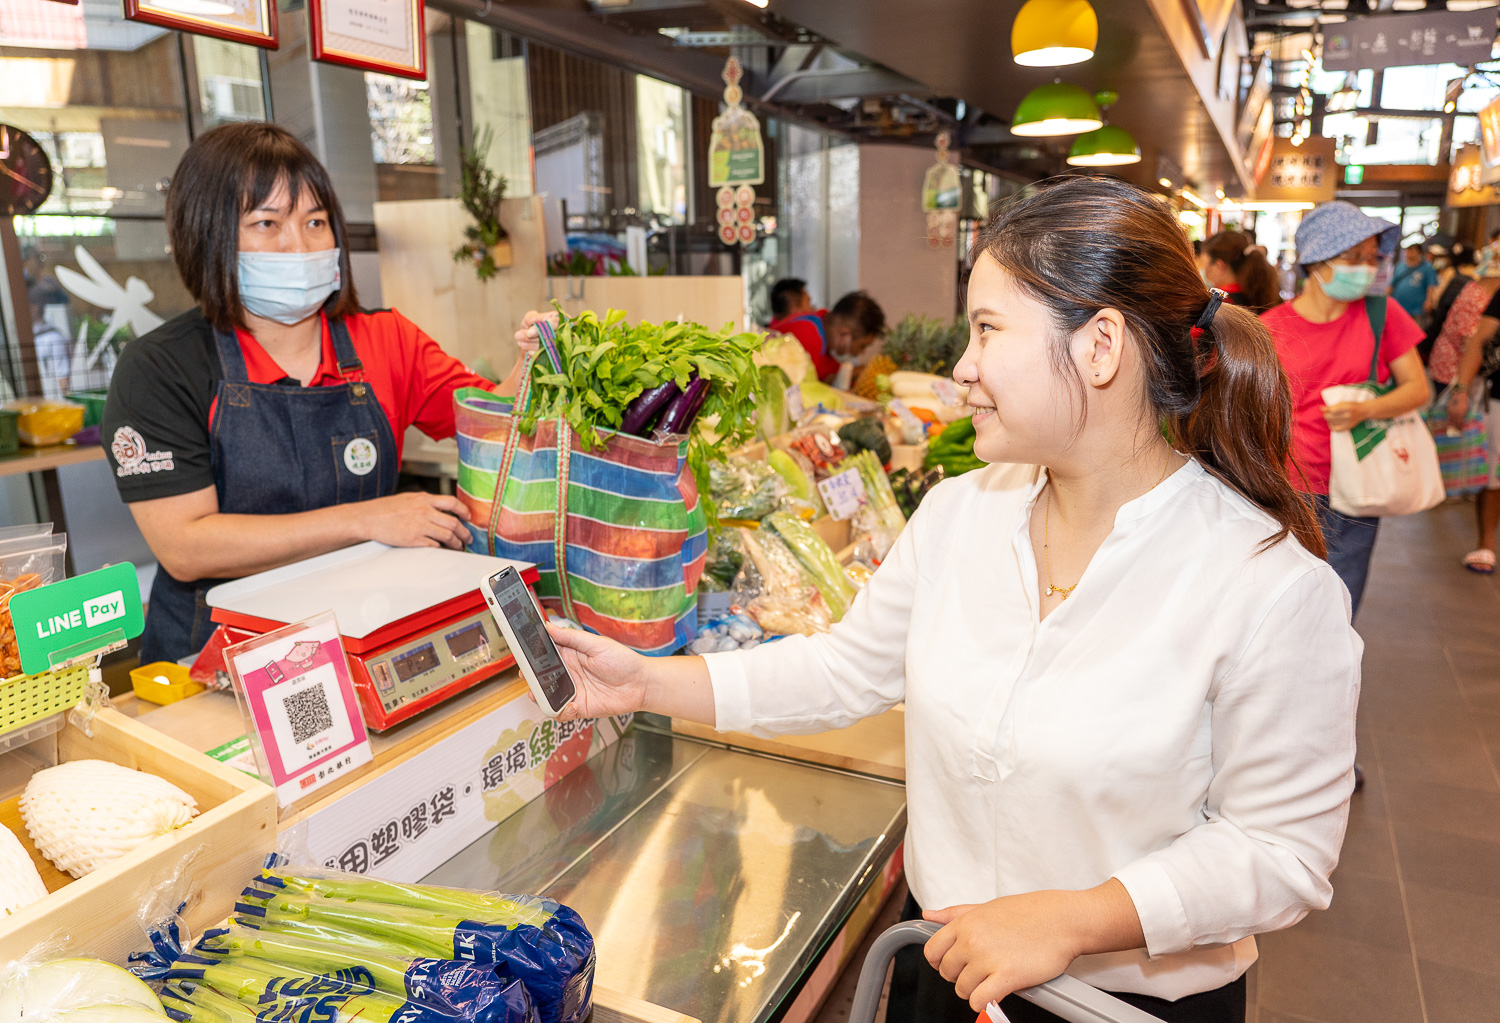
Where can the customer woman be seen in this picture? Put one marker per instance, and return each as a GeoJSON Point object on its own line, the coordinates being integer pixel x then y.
{"type": "Point", "coordinates": [1456, 416]}
{"type": "Point", "coordinates": [1324, 338]}
{"type": "Point", "coordinates": [265, 426]}
{"type": "Point", "coordinates": [1234, 264]}
{"type": "Point", "coordinates": [1472, 397]}
{"type": "Point", "coordinates": [1129, 687]}
{"type": "Point", "coordinates": [1455, 266]}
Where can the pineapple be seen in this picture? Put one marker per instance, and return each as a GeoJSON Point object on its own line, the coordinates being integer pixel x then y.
{"type": "Point", "coordinates": [866, 385]}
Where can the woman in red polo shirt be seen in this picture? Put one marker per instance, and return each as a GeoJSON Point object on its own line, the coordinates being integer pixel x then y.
{"type": "Point", "coordinates": [265, 426]}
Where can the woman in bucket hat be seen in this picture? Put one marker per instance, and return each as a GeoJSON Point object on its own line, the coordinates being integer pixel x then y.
{"type": "Point", "coordinates": [1324, 339]}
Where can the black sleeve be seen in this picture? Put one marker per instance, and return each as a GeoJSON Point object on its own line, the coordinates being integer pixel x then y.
{"type": "Point", "coordinates": [155, 425]}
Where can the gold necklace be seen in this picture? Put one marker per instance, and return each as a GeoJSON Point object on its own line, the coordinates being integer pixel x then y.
{"type": "Point", "coordinates": [1064, 592]}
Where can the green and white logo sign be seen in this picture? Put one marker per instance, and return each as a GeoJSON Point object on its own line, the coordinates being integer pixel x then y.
{"type": "Point", "coordinates": [66, 617]}
{"type": "Point", "coordinates": [359, 456]}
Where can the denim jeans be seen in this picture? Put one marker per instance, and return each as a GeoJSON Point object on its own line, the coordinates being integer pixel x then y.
{"type": "Point", "coordinates": [1350, 542]}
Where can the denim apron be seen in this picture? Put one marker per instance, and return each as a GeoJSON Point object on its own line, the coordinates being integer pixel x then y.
{"type": "Point", "coordinates": [278, 450]}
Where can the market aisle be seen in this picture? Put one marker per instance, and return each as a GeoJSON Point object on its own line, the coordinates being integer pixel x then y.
{"type": "Point", "coordinates": [1414, 932]}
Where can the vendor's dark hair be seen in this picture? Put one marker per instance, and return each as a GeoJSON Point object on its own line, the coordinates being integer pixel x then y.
{"type": "Point", "coordinates": [782, 293]}
{"type": "Point", "coordinates": [862, 311]}
{"type": "Point", "coordinates": [1082, 244]}
{"type": "Point", "coordinates": [227, 172]}
{"type": "Point", "coordinates": [1259, 286]}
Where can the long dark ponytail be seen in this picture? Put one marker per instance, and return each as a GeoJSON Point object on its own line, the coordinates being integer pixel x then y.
{"type": "Point", "coordinates": [1259, 287]}
{"type": "Point", "coordinates": [1082, 244]}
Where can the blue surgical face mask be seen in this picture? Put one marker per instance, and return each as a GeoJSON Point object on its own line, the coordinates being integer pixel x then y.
{"type": "Point", "coordinates": [1348, 283]}
{"type": "Point", "coordinates": [288, 287]}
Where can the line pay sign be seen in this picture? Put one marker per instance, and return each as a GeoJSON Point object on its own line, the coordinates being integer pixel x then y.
{"type": "Point", "coordinates": [76, 617]}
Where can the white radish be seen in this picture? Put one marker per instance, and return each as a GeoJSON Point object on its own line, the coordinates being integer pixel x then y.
{"type": "Point", "coordinates": [84, 813]}
{"type": "Point", "coordinates": [47, 990]}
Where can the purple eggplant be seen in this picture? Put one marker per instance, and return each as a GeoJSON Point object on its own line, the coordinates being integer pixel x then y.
{"type": "Point", "coordinates": [684, 408]}
{"type": "Point", "coordinates": [638, 415]}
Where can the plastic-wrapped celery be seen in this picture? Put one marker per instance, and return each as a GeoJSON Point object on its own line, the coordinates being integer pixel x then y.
{"type": "Point", "coordinates": [468, 991]}
{"type": "Point", "coordinates": [537, 940]}
{"type": "Point", "coordinates": [815, 556]}
{"type": "Point", "coordinates": [341, 995]}
{"type": "Point", "coordinates": [188, 1002]}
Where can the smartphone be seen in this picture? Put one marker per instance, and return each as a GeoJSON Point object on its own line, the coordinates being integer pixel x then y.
{"type": "Point", "coordinates": [520, 620]}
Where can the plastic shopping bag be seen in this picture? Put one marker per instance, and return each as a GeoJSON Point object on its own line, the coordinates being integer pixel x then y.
{"type": "Point", "coordinates": [1382, 466]}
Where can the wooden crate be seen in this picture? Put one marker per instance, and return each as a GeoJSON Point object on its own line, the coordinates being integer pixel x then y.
{"type": "Point", "coordinates": [215, 854]}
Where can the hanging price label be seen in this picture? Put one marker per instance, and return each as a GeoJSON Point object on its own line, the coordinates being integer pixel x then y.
{"type": "Point", "coordinates": [794, 402]}
{"type": "Point", "coordinates": [843, 494]}
{"type": "Point", "coordinates": [946, 391]}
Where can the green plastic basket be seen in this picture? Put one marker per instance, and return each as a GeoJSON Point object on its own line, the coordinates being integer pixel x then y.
{"type": "Point", "coordinates": [10, 434]}
{"type": "Point", "coordinates": [93, 405]}
{"type": "Point", "coordinates": [28, 698]}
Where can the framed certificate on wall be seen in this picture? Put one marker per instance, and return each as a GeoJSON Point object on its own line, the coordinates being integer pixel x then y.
{"type": "Point", "coordinates": [388, 36]}
{"type": "Point", "coordinates": [239, 21]}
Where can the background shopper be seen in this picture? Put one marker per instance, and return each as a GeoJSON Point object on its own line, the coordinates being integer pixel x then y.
{"type": "Point", "coordinates": [793, 312]}
{"type": "Point", "coordinates": [1456, 421]}
{"type": "Point", "coordinates": [1237, 266]}
{"type": "Point", "coordinates": [856, 333]}
{"type": "Point", "coordinates": [1130, 687]}
{"type": "Point", "coordinates": [1413, 278]}
{"type": "Point", "coordinates": [1471, 398]}
{"type": "Point", "coordinates": [1455, 268]}
{"type": "Point", "coordinates": [1323, 337]}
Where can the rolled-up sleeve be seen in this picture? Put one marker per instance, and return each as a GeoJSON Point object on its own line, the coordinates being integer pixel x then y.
{"type": "Point", "coordinates": [1283, 757]}
{"type": "Point", "coordinates": [805, 684]}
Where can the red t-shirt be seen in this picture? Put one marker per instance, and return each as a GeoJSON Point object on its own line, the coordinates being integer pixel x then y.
{"type": "Point", "coordinates": [412, 377]}
{"type": "Point", "coordinates": [1319, 355]}
{"type": "Point", "coordinates": [809, 329]}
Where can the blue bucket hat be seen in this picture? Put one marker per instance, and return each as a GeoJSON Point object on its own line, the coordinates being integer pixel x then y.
{"type": "Point", "coordinates": [1338, 226]}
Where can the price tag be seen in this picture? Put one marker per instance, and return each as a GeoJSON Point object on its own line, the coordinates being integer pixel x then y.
{"type": "Point", "coordinates": [912, 428]}
{"type": "Point", "coordinates": [843, 494]}
{"type": "Point", "coordinates": [946, 392]}
{"type": "Point", "coordinates": [794, 402]}
{"type": "Point", "coordinates": [300, 707]}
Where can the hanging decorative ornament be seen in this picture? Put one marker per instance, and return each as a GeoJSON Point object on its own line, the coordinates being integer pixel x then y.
{"type": "Point", "coordinates": [940, 197]}
{"type": "Point", "coordinates": [736, 161]}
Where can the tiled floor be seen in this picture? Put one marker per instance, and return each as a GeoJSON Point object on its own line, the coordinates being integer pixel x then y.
{"type": "Point", "coordinates": [1413, 935]}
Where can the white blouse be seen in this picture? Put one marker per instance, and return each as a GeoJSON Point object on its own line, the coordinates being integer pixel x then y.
{"type": "Point", "coordinates": [1184, 722]}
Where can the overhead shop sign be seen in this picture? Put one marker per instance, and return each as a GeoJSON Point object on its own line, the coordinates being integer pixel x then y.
{"type": "Point", "coordinates": [1465, 184]}
{"type": "Point", "coordinates": [1305, 173]}
{"type": "Point", "coordinates": [1398, 40]}
{"type": "Point", "coordinates": [1489, 143]}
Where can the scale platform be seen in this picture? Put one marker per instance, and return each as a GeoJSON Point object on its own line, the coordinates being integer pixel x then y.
{"type": "Point", "coordinates": [413, 620]}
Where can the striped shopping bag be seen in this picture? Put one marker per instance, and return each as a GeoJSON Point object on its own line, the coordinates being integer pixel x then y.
{"type": "Point", "coordinates": [618, 534]}
{"type": "Point", "coordinates": [1461, 453]}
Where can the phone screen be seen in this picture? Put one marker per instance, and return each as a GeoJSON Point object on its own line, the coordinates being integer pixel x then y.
{"type": "Point", "coordinates": [520, 611]}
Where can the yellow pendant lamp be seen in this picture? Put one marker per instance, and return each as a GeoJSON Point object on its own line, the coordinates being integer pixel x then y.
{"type": "Point", "coordinates": [1051, 33]}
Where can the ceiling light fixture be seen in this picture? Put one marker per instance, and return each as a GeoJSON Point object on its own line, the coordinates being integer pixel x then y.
{"type": "Point", "coordinates": [1192, 197]}
{"type": "Point", "coordinates": [1275, 205]}
{"type": "Point", "coordinates": [1056, 109]}
{"type": "Point", "coordinates": [1051, 33]}
{"type": "Point", "coordinates": [1105, 146]}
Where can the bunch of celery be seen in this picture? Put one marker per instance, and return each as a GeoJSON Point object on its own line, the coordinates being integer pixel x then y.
{"type": "Point", "coordinates": [330, 947]}
{"type": "Point", "coordinates": [535, 940]}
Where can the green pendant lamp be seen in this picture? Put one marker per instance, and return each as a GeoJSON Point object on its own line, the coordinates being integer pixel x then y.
{"type": "Point", "coordinates": [1051, 33]}
{"type": "Point", "coordinates": [1056, 109]}
{"type": "Point", "coordinates": [1107, 146]}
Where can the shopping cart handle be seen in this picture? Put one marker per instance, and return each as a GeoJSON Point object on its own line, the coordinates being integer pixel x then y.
{"type": "Point", "coordinates": [1063, 996]}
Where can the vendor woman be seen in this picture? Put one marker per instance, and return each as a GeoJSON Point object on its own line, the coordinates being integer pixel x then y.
{"type": "Point", "coordinates": [265, 426]}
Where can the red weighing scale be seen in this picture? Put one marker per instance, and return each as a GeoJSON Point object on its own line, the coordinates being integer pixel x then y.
{"type": "Point", "coordinates": [413, 620]}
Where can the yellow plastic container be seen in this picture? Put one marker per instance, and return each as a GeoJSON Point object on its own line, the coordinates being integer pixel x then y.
{"type": "Point", "coordinates": [163, 682]}
{"type": "Point", "coordinates": [44, 423]}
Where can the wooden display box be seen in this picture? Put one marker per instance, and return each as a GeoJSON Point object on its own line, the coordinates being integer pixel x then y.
{"type": "Point", "coordinates": [214, 855]}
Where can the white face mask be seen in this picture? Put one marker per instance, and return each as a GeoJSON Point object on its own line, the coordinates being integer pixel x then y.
{"type": "Point", "coordinates": [288, 287]}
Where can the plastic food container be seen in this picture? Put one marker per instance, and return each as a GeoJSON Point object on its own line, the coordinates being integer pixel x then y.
{"type": "Point", "coordinates": [163, 682]}
{"type": "Point", "coordinates": [47, 422]}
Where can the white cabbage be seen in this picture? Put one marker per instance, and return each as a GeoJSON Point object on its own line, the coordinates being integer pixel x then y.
{"type": "Point", "coordinates": [20, 884]}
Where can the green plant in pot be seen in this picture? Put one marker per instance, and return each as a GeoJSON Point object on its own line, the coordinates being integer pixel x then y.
{"type": "Point", "coordinates": [480, 191]}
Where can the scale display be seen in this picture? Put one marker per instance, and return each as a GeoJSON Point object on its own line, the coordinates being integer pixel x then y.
{"type": "Point", "coordinates": [428, 662]}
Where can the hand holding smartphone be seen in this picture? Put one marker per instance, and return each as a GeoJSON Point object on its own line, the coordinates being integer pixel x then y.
{"type": "Point", "coordinates": [521, 622]}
